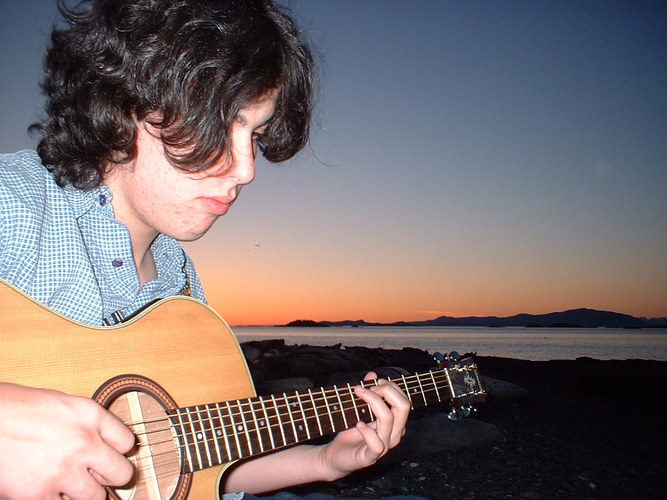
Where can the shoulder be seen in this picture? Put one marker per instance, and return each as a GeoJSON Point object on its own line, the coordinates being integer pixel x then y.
{"type": "Point", "coordinates": [23, 178]}
{"type": "Point", "coordinates": [23, 165]}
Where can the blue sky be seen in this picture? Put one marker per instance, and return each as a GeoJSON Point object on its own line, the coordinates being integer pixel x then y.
{"type": "Point", "coordinates": [483, 158]}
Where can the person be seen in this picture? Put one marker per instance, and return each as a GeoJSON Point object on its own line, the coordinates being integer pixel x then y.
{"type": "Point", "coordinates": [155, 112]}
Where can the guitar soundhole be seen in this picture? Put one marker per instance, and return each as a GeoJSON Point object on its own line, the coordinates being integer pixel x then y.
{"type": "Point", "coordinates": [143, 405]}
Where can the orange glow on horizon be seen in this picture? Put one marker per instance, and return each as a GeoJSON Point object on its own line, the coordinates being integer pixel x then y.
{"type": "Point", "coordinates": [249, 288]}
{"type": "Point", "coordinates": [261, 308]}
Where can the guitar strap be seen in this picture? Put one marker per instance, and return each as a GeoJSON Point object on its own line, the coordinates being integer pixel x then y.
{"type": "Point", "coordinates": [118, 316]}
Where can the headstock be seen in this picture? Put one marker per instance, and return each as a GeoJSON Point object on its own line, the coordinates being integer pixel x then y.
{"type": "Point", "coordinates": [464, 382]}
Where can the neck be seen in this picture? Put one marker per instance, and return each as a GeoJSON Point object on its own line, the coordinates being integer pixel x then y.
{"type": "Point", "coordinates": [141, 234]}
{"type": "Point", "coordinates": [145, 266]}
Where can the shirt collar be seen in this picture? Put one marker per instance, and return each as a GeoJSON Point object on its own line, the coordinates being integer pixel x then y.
{"type": "Point", "coordinates": [83, 201]}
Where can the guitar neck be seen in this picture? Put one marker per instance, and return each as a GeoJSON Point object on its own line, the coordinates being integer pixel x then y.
{"type": "Point", "coordinates": [213, 434]}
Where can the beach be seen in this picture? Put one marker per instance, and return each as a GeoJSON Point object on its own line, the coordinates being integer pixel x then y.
{"type": "Point", "coordinates": [584, 428]}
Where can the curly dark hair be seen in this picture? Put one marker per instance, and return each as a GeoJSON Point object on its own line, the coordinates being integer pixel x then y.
{"type": "Point", "coordinates": [185, 66]}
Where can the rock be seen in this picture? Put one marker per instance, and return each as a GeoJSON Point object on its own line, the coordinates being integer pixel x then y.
{"type": "Point", "coordinates": [272, 359]}
{"type": "Point", "coordinates": [252, 354]}
{"type": "Point", "coordinates": [531, 495]}
{"type": "Point", "coordinates": [284, 385]}
{"type": "Point", "coordinates": [502, 390]}
{"type": "Point", "coordinates": [434, 433]}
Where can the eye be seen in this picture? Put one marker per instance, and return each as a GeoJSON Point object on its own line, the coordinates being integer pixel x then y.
{"type": "Point", "coordinates": [258, 142]}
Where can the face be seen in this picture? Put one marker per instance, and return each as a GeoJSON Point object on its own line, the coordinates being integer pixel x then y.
{"type": "Point", "coordinates": [150, 196]}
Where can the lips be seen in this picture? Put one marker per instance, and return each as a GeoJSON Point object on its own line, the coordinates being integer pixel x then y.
{"type": "Point", "coordinates": [217, 206]}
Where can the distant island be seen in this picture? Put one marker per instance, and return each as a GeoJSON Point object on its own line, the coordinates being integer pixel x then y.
{"type": "Point", "coordinates": [573, 318]}
{"type": "Point", "coordinates": [306, 322]}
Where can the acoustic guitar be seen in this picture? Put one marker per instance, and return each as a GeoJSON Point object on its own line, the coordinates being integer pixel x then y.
{"type": "Point", "coordinates": [176, 376]}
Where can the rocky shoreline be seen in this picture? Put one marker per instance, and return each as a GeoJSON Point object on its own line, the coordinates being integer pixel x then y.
{"type": "Point", "coordinates": [579, 428]}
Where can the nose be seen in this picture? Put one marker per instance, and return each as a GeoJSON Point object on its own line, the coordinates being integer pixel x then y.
{"type": "Point", "coordinates": [244, 167]}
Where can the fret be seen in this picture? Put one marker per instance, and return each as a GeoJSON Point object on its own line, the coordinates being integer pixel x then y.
{"type": "Point", "coordinates": [451, 385]}
{"type": "Point", "coordinates": [326, 404]}
{"type": "Point", "coordinates": [303, 413]}
{"type": "Point", "coordinates": [353, 401]}
{"type": "Point", "coordinates": [291, 418]}
{"type": "Point", "coordinates": [269, 426]}
{"type": "Point", "coordinates": [430, 388]}
{"type": "Point", "coordinates": [230, 412]}
{"type": "Point", "coordinates": [342, 407]}
{"type": "Point", "coordinates": [317, 413]}
{"type": "Point", "coordinates": [202, 437]}
{"type": "Point", "coordinates": [216, 432]}
{"type": "Point", "coordinates": [258, 424]}
{"type": "Point", "coordinates": [188, 442]}
{"type": "Point", "coordinates": [280, 422]}
{"type": "Point", "coordinates": [246, 430]}
{"type": "Point", "coordinates": [179, 426]}
{"type": "Point", "coordinates": [366, 412]}
{"type": "Point", "coordinates": [193, 433]}
{"type": "Point", "coordinates": [435, 386]}
{"type": "Point", "coordinates": [421, 389]}
{"type": "Point", "coordinates": [223, 428]}
{"type": "Point", "coordinates": [407, 390]}
{"type": "Point", "coordinates": [376, 382]}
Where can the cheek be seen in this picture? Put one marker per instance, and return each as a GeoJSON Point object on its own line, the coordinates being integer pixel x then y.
{"type": "Point", "coordinates": [167, 187]}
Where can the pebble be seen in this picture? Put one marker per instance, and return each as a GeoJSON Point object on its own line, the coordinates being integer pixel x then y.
{"type": "Point", "coordinates": [531, 495]}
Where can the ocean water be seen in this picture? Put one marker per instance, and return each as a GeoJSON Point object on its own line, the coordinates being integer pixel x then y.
{"type": "Point", "coordinates": [535, 344]}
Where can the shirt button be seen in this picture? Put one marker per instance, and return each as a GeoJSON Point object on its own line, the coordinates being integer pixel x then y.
{"type": "Point", "coordinates": [103, 199]}
{"type": "Point", "coordinates": [117, 262]}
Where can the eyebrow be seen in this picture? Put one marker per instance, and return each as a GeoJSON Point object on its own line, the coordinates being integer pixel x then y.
{"type": "Point", "coordinates": [244, 121]}
{"type": "Point", "coordinates": [241, 119]}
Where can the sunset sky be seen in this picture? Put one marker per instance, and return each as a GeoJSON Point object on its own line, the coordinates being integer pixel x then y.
{"type": "Point", "coordinates": [467, 158]}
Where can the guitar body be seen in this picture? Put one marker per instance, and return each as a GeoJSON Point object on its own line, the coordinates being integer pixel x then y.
{"type": "Point", "coordinates": [179, 343]}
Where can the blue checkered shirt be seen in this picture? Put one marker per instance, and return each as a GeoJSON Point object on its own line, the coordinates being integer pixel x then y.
{"type": "Point", "coordinates": [64, 248]}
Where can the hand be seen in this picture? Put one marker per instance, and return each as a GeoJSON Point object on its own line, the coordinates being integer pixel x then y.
{"type": "Point", "coordinates": [366, 443]}
{"type": "Point", "coordinates": [56, 444]}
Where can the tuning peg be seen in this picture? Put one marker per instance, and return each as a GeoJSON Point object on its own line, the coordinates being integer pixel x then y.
{"type": "Point", "coordinates": [454, 356]}
{"type": "Point", "coordinates": [456, 415]}
{"type": "Point", "coordinates": [438, 357]}
{"type": "Point", "coordinates": [459, 413]}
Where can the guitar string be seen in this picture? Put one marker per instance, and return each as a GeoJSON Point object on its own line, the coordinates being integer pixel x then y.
{"type": "Point", "coordinates": [212, 457]}
{"type": "Point", "coordinates": [253, 403]}
{"type": "Point", "coordinates": [252, 430]}
{"type": "Point", "coordinates": [255, 435]}
{"type": "Point", "coordinates": [248, 431]}
{"type": "Point", "coordinates": [317, 393]}
{"type": "Point", "coordinates": [320, 394]}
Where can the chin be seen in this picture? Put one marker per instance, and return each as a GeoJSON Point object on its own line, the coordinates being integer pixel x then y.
{"type": "Point", "coordinates": [189, 236]}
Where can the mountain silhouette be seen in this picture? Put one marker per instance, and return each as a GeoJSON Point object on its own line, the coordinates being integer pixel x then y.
{"type": "Point", "coordinates": [582, 318]}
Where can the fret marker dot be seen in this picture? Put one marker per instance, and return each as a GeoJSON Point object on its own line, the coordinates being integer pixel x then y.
{"type": "Point", "coordinates": [219, 432]}
{"type": "Point", "coordinates": [336, 407]}
{"type": "Point", "coordinates": [240, 427]}
{"type": "Point", "coordinates": [199, 436]}
{"type": "Point", "coordinates": [261, 423]}
{"type": "Point", "coordinates": [300, 427]}
{"type": "Point", "coordinates": [363, 410]}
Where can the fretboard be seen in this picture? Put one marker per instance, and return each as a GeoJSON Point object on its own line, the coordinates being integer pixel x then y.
{"type": "Point", "coordinates": [213, 434]}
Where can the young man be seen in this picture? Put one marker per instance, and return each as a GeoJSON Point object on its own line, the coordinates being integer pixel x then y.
{"type": "Point", "coordinates": [156, 110]}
